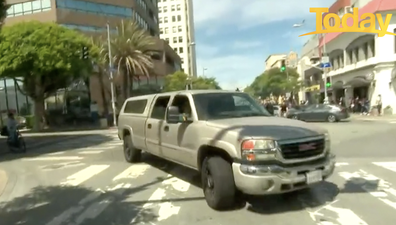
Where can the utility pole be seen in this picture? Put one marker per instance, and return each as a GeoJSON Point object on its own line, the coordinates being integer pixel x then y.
{"type": "Point", "coordinates": [113, 106]}
{"type": "Point", "coordinates": [325, 60]}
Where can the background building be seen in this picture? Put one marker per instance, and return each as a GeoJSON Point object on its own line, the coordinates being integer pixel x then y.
{"type": "Point", "coordinates": [275, 60]}
{"type": "Point", "coordinates": [176, 23]}
{"type": "Point", "coordinates": [91, 17]}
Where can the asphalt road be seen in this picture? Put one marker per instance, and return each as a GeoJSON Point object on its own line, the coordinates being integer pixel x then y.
{"type": "Point", "coordinates": [86, 181]}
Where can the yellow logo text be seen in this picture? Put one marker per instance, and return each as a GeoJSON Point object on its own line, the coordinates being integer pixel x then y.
{"type": "Point", "coordinates": [366, 25]}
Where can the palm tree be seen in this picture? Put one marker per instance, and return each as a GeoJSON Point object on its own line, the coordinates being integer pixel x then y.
{"type": "Point", "coordinates": [3, 10]}
{"type": "Point", "coordinates": [132, 49]}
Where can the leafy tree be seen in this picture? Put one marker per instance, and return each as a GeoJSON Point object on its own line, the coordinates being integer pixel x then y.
{"type": "Point", "coordinates": [275, 82]}
{"type": "Point", "coordinates": [3, 11]}
{"type": "Point", "coordinates": [45, 57]}
{"type": "Point", "coordinates": [132, 49]}
{"type": "Point", "coordinates": [179, 79]}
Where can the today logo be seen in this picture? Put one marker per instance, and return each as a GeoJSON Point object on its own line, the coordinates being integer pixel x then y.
{"type": "Point", "coordinates": [366, 25]}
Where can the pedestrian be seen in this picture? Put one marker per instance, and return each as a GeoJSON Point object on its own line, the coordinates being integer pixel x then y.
{"type": "Point", "coordinates": [94, 112]}
{"type": "Point", "coordinates": [379, 105]}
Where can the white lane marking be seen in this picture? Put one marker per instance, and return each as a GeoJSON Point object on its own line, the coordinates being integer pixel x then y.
{"type": "Point", "coordinates": [343, 216]}
{"type": "Point", "coordinates": [387, 165]}
{"type": "Point", "coordinates": [53, 158]}
{"type": "Point", "coordinates": [132, 172]}
{"type": "Point", "coordinates": [375, 186]}
{"type": "Point", "coordinates": [166, 208]}
{"type": "Point", "coordinates": [341, 164]}
{"type": "Point", "coordinates": [96, 207]}
{"type": "Point", "coordinates": [83, 175]}
{"type": "Point", "coordinates": [90, 152]}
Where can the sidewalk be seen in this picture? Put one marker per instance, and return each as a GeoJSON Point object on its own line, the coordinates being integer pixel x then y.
{"type": "Point", "coordinates": [373, 117]}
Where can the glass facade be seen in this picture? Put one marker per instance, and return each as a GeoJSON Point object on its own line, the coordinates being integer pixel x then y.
{"type": "Point", "coordinates": [94, 8]}
{"type": "Point", "coordinates": [30, 7]}
{"type": "Point", "coordinates": [12, 100]}
{"type": "Point", "coordinates": [86, 28]}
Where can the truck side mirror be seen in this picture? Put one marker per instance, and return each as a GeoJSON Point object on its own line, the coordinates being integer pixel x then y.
{"type": "Point", "coordinates": [172, 114]}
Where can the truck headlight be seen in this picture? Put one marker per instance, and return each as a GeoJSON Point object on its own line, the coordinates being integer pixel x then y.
{"type": "Point", "coordinates": [259, 149]}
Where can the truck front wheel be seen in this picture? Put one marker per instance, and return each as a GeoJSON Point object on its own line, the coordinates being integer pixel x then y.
{"type": "Point", "coordinates": [131, 153]}
{"type": "Point", "coordinates": [218, 183]}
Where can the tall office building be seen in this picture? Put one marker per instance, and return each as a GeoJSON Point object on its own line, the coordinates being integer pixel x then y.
{"type": "Point", "coordinates": [176, 24]}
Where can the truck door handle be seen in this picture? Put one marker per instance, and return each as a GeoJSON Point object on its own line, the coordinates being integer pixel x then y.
{"type": "Point", "coordinates": [166, 128]}
{"type": "Point", "coordinates": [149, 126]}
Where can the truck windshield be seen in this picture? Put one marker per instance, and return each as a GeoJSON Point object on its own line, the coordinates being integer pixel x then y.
{"type": "Point", "coordinates": [211, 106]}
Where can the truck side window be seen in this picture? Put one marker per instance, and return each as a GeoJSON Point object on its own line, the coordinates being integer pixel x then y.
{"type": "Point", "coordinates": [183, 103]}
{"type": "Point", "coordinates": [159, 108]}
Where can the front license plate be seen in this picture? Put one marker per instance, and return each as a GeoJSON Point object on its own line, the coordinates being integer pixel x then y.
{"type": "Point", "coordinates": [314, 176]}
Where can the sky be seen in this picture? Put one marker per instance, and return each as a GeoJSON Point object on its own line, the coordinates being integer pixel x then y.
{"type": "Point", "coordinates": [234, 37]}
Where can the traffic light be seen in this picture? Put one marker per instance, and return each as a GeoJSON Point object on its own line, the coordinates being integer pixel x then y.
{"type": "Point", "coordinates": [283, 66]}
{"type": "Point", "coordinates": [328, 82]}
{"type": "Point", "coordinates": [85, 53]}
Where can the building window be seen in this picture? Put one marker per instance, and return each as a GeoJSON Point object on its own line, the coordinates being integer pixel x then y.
{"type": "Point", "coordinates": [25, 8]}
{"type": "Point", "coordinates": [173, 8]}
{"type": "Point", "coordinates": [167, 40]}
{"type": "Point", "coordinates": [165, 9]}
{"type": "Point", "coordinates": [166, 30]}
{"type": "Point", "coordinates": [165, 19]}
{"type": "Point", "coordinates": [179, 18]}
{"type": "Point", "coordinates": [87, 28]}
{"type": "Point", "coordinates": [94, 8]}
{"type": "Point", "coordinates": [181, 50]}
{"type": "Point", "coordinates": [161, 30]}
{"type": "Point", "coordinates": [160, 9]}
{"type": "Point", "coordinates": [174, 30]}
{"type": "Point", "coordinates": [160, 20]}
{"type": "Point", "coordinates": [178, 7]}
{"type": "Point", "coordinates": [179, 28]}
{"type": "Point", "coordinates": [174, 39]}
{"type": "Point", "coordinates": [175, 49]}
{"type": "Point", "coordinates": [182, 60]}
{"type": "Point", "coordinates": [180, 39]}
{"type": "Point", "coordinates": [173, 18]}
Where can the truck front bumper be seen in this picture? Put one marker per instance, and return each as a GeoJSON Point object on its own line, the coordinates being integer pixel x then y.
{"type": "Point", "coordinates": [274, 179]}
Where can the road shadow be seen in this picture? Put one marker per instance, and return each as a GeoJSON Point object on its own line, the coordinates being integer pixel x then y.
{"type": "Point", "coordinates": [70, 205]}
{"type": "Point", "coordinates": [38, 144]}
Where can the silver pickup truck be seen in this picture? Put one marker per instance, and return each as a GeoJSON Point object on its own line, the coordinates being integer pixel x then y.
{"type": "Point", "coordinates": [230, 139]}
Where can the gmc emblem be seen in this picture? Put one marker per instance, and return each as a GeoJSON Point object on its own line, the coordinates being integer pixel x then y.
{"type": "Point", "coordinates": [306, 147]}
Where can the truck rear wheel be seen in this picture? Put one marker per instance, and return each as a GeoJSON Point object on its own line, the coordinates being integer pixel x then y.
{"type": "Point", "coordinates": [131, 153]}
{"type": "Point", "coordinates": [218, 183]}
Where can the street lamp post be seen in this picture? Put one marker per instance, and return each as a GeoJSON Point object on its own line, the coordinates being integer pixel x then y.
{"type": "Point", "coordinates": [203, 71]}
{"type": "Point", "coordinates": [113, 106]}
{"type": "Point", "coordinates": [191, 61]}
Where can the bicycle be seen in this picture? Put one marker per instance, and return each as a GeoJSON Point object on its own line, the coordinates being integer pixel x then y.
{"type": "Point", "coordinates": [15, 146]}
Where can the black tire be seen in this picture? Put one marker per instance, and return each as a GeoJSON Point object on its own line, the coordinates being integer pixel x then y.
{"type": "Point", "coordinates": [218, 183]}
{"type": "Point", "coordinates": [22, 145]}
{"type": "Point", "coordinates": [131, 154]}
{"type": "Point", "coordinates": [331, 118]}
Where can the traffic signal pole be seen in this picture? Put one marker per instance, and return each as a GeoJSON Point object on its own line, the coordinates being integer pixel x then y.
{"type": "Point", "coordinates": [326, 97]}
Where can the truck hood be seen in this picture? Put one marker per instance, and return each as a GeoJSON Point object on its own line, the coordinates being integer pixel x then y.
{"type": "Point", "coordinates": [274, 127]}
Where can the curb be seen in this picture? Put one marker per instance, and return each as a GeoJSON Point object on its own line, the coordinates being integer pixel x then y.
{"type": "Point", "coordinates": [3, 181]}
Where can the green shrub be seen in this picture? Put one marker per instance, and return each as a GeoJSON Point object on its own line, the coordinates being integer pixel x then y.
{"type": "Point", "coordinates": [29, 121]}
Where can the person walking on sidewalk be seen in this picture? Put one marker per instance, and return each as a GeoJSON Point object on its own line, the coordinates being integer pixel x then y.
{"type": "Point", "coordinates": [12, 125]}
{"type": "Point", "coordinates": [379, 105]}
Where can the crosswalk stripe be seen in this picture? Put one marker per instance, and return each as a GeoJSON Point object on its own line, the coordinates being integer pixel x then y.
{"type": "Point", "coordinates": [83, 175]}
{"type": "Point", "coordinates": [387, 165]}
{"type": "Point", "coordinates": [53, 158]}
{"type": "Point", "coordinates": [373, 185]}
{"type": "Point", "coordinates": [95, 203]}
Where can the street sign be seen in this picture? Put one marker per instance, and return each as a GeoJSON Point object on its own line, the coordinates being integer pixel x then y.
{"type": "Point", "coordinates": [325, 65]}
{"type": "Point", "coordinates": [325, 59]}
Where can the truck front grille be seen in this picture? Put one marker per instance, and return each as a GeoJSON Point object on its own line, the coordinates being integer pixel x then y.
{"type": "Point", "coordinates": [304, 149]}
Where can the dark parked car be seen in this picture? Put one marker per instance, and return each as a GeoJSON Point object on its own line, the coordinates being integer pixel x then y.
{"type": "Point", "coordinates": [318, 112]}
